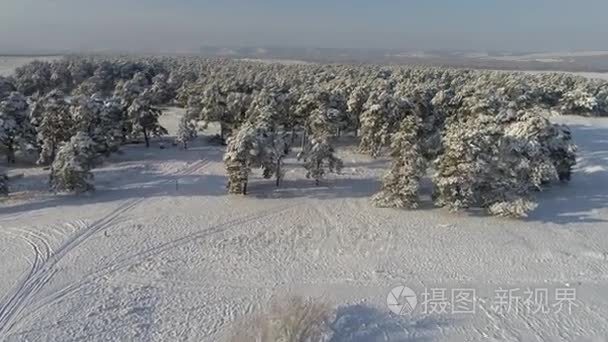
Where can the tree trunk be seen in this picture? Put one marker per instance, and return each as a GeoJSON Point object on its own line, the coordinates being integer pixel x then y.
{"type": "Point", "coordinates": [146, 138]}
{"type": "Point", "coordinates": [10, 154]}
{"type": "Point", "coordinates": [303, 140]}
{"type": "Point", "coordinates": [53, 154]}
{"type": "Point", "coordinates": [222, 132]}
{"type": "Point", "coordinates": [245, 188]}
{"type": "Point", "coordinates": [278, 172]}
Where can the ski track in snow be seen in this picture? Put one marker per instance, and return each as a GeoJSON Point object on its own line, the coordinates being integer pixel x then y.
{"type": "Point", "coordinates": [46, 259]}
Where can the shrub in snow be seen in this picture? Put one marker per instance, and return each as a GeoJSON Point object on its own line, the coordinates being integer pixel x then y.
{"type": "Point", "coordinates": [71, 170]}
{"type": "Point", "coordinates": [15, 128]}
{"type": "Point", "coordinates": [293, 320]}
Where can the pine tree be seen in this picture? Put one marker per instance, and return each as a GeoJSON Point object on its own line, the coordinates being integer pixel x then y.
{"type": "Point", "coordinates": [34, 77]}
{"type": "Point", "coordinates": [242, 152]}
{"type": "Point", "coordinates": [144, 119]}
{"type": "Point", "coordinates": [71, 170]}
{"type": "Point", "coordinates": [132, 89]}
{"type": "Point", "coordinates": [318, 153]}
{"type": "Point", "coordinates": [112, 120]}
{"type": "Point", "coordinates": [490, 164]}
{"type": "Point", "coordinates": [356, 102]}
{"type": "Point", "coordinates": [379, 120]}
{"type": "Point", "coordinates": [186, 131]}
{"type": "Point", "coordinates": [15, 128]}
{"type": "Point", "coordinates": [213, 104]}
{"type": "Point", "coordinates": [258, 144]}
{"type": "Point", "coordinates": [100, 119]}
{"type": "Point", "coordinates": [53, 123]}
{"type": "Point", "coordinates": [161, 90]}
{"type": "Point", "coordinates": [318, 156]}
{"type": "Point", "coordinates": [401, 184]}
{"type": "Point", "coordinates": [6, 87]}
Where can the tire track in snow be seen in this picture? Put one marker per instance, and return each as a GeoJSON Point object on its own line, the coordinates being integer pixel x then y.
{"type": "Point", "coordinates": [129, 260]}
{"type": "Point", "coordinates": [43, 267]}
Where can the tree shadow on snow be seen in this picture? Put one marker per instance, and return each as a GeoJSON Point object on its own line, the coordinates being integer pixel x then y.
{"type": "Point", "coordinates": [135, 172]}
{"type": "Point", "coordinates": [360, 323]}
{"type": "Point", "coordinates": [306, 188]}
{"type": "Point", "coordinates": [153, 186]}
{"type": "Point", "coordinates": [579, 200]}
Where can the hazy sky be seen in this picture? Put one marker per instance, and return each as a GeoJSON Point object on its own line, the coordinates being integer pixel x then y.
{"type": "Point", "coordinates": [173, 25]}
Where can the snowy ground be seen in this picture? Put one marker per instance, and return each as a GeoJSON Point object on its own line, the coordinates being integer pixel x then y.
{"type": "Point", "coordinates": [161, 253]}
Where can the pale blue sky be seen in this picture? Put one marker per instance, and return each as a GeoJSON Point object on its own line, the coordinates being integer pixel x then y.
{"type": "Point", "coordinates": [407, 24]}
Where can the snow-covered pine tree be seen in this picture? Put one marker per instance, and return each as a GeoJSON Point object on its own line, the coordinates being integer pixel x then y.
{"type": "Point", "coordinates": [129, 91]}
{"type": "Point", "coordinates": [319, 158]}
{"type": "Point", "coordinates": [401, 184]}
{"type": "Point", "coordinates": [71, 169]}
{"type": "Point", "coordinates": [34, 77]}
{"type": "Point", "coordinates": [259, 143]}
{"type": "Point", "coordinates": [100, 119]}
{"type": "Point", "coordinates": [54, 124]}
{"type": "Point", "coordinates": [161, 90]}
{"type": "Point", "coordinates": [6, 87]}
{"type": "Point", "coordinates": [548, 148]}
{"type": "Point", "coordinates": [186, 131]}
{"type": "Point", "coordinates": [15, 128]}
{"type": "Point", "coordinates": [273, 140]}
{"type": "Point", "coordinates": [356, 102]}
{"type": "Point", "coordinates": [214, 109]}
{"type": "Point", "coordinates": [144, 119]}
{"type": "Point", "coordinates": [61, 77]}
{"type": "Point", "coordinates": [484, 167]}
{"type": "Point", "coordinates": [318, 153]}
{"type": "Point", "coordinates": [112, 119]}
{"type": "Point", "coordinates": [579, 101]}
{"type": "Point", "coordinates": [92, 85]}
{"type": "Point", "coordinates": [242, 152]}
{"type": "Point", "coordinates": [381, 117]}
